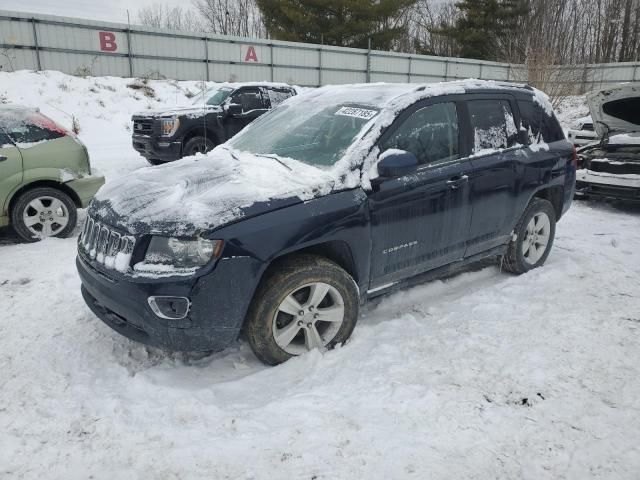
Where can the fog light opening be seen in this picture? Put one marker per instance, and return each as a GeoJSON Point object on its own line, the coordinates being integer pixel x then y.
{"type": "Point", "coordinates": [170, 308]}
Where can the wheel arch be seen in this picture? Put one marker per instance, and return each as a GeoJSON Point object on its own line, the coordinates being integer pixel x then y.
{"type": "Point", "coordinates": [553, 194]}
{"type": "Point", "coordinates": [337, 251]}
{"type": "Point", "coordinates": [200, 131]}
{"type": "Point", "coordinates": [39, 184]}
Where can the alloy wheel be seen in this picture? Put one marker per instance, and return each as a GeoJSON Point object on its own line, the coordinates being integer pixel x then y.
{"type": "Point", "coordinates": [45, 216]}
{"type": "Point", "coordinates": [536, 238]}
{"type": "Point", "coordinates": [309, 317]}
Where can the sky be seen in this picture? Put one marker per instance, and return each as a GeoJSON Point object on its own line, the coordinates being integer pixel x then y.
{"type": "Point", "coordinates": [109, 10]}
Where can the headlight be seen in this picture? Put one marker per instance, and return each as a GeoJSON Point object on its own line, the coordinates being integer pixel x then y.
{"type": "Point", "coordinates": [182, 253]}
{"type": "Point", "coordinates": [576, 126]}
{"type": "Point", "coordinates": [169, 126]}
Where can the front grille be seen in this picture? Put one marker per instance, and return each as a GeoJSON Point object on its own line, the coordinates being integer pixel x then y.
{"type": "Point", "coordinates": [587, 126]}
{"type": "Point", "coordinates": [617, 168]}
{"type": "Point", "coordinates": [106, 246]}
{"type": "Point", "coordinates": [143, 126]}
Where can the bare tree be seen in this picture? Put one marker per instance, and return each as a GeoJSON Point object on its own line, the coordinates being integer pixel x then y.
{"type": "Point", "coordinates": [231, 17]}
{"type": "Point", "coordinates": [160, 15]}
{"type": "Point", "coordinates": [427, 19]}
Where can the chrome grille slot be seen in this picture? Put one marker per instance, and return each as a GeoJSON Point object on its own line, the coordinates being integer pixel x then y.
{"type": "Point", "coordinates": [93, 240]}
{"type": "Point", "coordinates": [106, 246]}
{"type": "Point", "coordinates": [114, 244]}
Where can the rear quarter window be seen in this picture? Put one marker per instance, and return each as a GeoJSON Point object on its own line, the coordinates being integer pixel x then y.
{"type": "Point", "coordinates": [33, 128]}
{"type": "Point", "coordinates": [5, 141]}
{"type": "Point", "coordinates": [541, 126]}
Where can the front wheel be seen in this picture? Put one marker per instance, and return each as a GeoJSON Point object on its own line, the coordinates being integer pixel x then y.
{"type": "Point", "coordinates": [306, 302]}
{"type": "Point", "coordinates": [198, 145]}
{"type": "Point", "coordinates": [535, 233]}
{"type": "Point", "coordinates": [43, 212]}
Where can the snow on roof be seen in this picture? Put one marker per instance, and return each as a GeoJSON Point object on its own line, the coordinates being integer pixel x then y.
{"type": "Point", "coordinates": [384, 94]}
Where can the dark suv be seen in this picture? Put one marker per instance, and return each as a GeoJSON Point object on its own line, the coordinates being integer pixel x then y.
{"type": "Point", "coordinates": [336, 196]}
{"type": "Point", "coordinates": [215, 116]}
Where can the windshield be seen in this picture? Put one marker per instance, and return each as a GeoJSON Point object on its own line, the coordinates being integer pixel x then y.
{"type": "Point", "coordinates": [316, 136]}
{"type": "Point", "coordinates": [214, 96]}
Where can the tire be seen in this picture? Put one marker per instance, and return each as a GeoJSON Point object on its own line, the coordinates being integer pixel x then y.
{"type": "Point", "coordinates": [301, 275]}
{"type": "Point", "coordinates": [530, 232]}
{"type": "Point", "coordinates": [197, 145]}
{"type": "Point", "coordinates": [48, 209]}
{"type": "Point", "coordinates": [154, 162]}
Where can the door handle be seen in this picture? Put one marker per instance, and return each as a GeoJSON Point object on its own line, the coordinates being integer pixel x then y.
{"type": "Point", "coordinates": [455, 182]}
{"type": "Point", "coordinates": [2, 158]}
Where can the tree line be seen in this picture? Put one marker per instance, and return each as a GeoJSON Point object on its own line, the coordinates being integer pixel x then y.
{"type": "Point", "coordinates": [533, 32]}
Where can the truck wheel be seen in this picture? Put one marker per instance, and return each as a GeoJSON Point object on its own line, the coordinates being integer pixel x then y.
{"type": "Point", "coordinates": [43, 212]}
{"type": "Point", "coordinates": [153, 161]}
{"type": "Point", "coordinates": [535, 233]}
{"type": "Point", "coordinates": [197, 145]}
{"type": "Point", "coordinates": [306, 302]}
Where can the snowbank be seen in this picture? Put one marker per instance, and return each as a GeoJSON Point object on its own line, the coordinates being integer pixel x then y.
{"type": "Point", "coordinates": [102, 107]}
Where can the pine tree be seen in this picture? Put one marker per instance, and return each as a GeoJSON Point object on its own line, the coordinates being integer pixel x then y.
{"type": "Point", "coordinates": [345, 23]}
{"type": "Point", "coordinates": [483, 24]}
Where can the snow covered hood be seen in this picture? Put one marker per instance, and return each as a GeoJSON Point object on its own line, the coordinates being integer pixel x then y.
{"type": "Point", "coordinates": [616, 109]}
{"type": "Point", "coordinates": [196, 194]}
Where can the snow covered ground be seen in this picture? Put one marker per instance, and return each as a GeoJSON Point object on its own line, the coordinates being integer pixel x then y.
{"type": "Point", "coordinates": [483, 375]}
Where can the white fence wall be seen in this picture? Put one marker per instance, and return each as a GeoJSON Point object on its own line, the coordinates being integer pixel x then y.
{"type": "Point", "coordinates": [78, 46]}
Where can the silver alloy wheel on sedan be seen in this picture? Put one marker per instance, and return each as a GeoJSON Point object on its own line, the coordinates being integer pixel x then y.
{"type": "Point", "coordinates": [309, 317]}
{"type": "Point", "coordinates": [536, 238]}
{"type": "Point", "coordinates": [45, 216]}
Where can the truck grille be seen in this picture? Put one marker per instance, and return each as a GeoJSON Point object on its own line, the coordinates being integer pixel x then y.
{"type": "Point", "coordinates": [106, 246]}
{"type": "Point", "coordinates": [587, 126]}
{"type": "Point", "coordinates": [143, 126]}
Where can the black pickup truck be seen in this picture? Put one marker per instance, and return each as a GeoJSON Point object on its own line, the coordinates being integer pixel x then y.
{"type": "Point", "coordinates": [215, 116]}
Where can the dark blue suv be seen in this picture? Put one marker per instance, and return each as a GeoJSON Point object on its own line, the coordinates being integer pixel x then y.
{"type": "Point", "coordinates": [336, 196]}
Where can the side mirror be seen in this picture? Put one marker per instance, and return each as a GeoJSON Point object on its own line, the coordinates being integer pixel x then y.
{"type": "Point", "coordinates": [396, 163]}
{"type": "Point", "coordinates": [234, 110]}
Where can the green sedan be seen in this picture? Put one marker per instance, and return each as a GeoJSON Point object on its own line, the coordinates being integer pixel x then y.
{"type": "Point", "coordinates": [45, 175]}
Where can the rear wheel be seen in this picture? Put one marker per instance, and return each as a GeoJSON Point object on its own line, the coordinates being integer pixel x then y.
{"type": "Point", "coordinates": [535, 233]}
{"type": "Point", "coordinates": [307, 302]}
{"type": "Point", "coordinates": [43, 212]}
{"type": "Point", "coordinates": [198, 145]}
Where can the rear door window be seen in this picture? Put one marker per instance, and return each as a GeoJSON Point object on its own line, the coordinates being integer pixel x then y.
{"type": "Point", "coordinates": [250, 99]}
{"type": "Point", "coordinates": [430, 133]}
{"type": "Point", "coordinates": [276, 96]}
{"type": "Point", "coordinates": [540, 126]}
{"type": "Point", "coordinates": [493, 124]}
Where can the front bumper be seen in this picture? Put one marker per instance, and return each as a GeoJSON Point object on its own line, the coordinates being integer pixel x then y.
{"type": "Point", "coordinates": [157, 148]}
{"type": "Point", "coordinates": [219, 301]}
{"type": "Point", "coordinates": [607, 185]}
{"type": "Point", "coordinates": [86, 187]}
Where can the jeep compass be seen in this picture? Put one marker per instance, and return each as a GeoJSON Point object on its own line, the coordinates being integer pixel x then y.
{"type": "Point", "coordinates": [336, 196]}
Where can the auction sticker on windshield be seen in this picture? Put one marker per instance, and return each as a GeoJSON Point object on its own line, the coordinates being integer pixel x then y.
{"type": "Point", "coordinates": [357, 112]}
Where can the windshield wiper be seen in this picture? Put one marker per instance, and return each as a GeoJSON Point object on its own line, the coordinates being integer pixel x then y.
{"type": "Point", "coordinates": [274, 158]}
